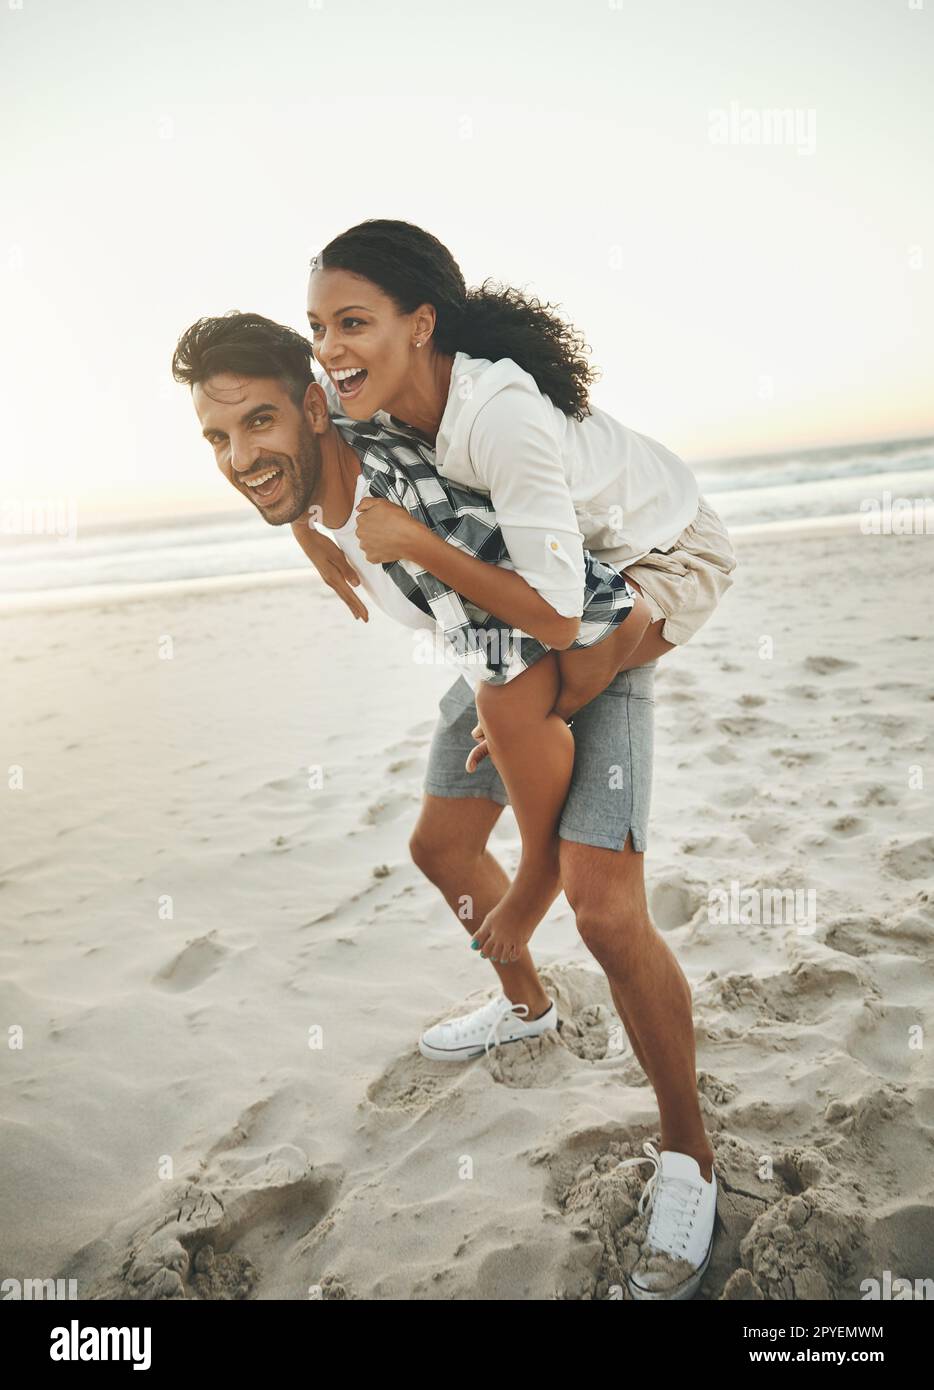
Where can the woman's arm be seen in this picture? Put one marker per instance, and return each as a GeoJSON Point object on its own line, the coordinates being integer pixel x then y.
{"type": "Point", "coordinates": [500, 591]}
{"type": "Point", "coordinates": [514, 454]}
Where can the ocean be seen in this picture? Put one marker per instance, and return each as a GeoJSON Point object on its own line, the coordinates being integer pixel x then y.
{"type": "Point", "coordinates": [797, 486]}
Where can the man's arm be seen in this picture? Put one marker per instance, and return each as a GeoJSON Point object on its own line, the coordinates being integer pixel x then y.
{"type": "Point", "coordinates": [500, 591]}
{"type": "Point", "coordinates": [332, 565]}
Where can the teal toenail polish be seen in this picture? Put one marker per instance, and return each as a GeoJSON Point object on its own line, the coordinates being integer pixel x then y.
{"type": "Point", "coordinates": [475, 945]}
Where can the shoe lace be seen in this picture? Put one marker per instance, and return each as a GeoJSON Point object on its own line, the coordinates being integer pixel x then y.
{"type": "Point", "coordinates": [496, 1011]}
{"type": "Point", "coordinates": [672, 1216]}
{"type": "Point", "coordinates": [504, 1009]}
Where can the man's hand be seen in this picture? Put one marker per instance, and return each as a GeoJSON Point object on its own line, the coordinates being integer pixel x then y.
{"type": "Point", "coordinates": [385, 530]}
{"type": "Point", "coordinates": [332, 565]}
{"type": "Point", "coordinates": [476, 755]}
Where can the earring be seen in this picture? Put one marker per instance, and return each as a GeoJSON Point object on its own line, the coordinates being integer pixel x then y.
{"type": "Point", "coordinates": [418, 344]}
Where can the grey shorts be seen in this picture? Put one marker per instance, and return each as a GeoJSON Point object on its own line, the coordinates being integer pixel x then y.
{"type": "Point", "coordinates": [611, 786]}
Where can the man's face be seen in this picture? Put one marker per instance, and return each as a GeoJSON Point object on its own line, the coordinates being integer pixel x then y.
{"type": "Point", "coordinates": [261, 441]}
{"type": "Point", "coordinates": [360, 338]}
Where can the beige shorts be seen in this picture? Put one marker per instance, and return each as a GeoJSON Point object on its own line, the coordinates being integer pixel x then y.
{"type": "Point", "coordinates": [684, 584]}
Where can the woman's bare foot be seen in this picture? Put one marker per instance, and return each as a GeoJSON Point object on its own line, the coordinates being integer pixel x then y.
{"type": "Point", "coordinates": [510, 925]}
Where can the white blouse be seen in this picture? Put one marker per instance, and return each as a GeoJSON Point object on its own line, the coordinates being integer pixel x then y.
{"type": "Point", "coordinates": [556, 483]}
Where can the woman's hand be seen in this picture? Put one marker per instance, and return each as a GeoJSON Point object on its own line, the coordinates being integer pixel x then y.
{"type": "Point", "coordinates": [332, 565]}
{"type": "Point", "coordinates": [385, 530]}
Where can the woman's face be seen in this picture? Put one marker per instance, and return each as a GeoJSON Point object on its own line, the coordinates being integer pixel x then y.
{"type": "Point", "coordinates": [361, 340]}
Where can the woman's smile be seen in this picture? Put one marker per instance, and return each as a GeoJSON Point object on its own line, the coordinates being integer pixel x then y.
{"type": "Point", "coordinates": [349, 381]}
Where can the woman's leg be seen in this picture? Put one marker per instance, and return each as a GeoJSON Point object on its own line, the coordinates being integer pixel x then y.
{"type": "Point", "coordinates": [634, 643]}
{"type": "Point", "coordinates": [534, 754]}
{"type": "Point", "coordinates": [587, 671]}
{"type": "Point", "coordinates": [652, 644]}
{"type": "Point", "coordinates": [649, 647]}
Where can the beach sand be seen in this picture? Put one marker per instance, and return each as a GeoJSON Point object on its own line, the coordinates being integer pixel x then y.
{"type": "Point", "coordinates": [221, 956]}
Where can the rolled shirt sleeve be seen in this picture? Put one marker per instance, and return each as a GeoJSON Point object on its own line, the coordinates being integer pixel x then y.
{"type": "Point", "coordinates": [515, 454]}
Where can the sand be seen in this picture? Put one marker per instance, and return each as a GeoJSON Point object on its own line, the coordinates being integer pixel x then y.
{"type": "Point", "coordinates": [221, 956]}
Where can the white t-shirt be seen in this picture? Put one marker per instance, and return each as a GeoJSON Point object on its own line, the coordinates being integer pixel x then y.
{"type": "Point", "coordinates": [373, 578]}
{"type": "Point", "coordinates": [591, 482]}
{"type": "Point", "coordinates": [385, 593]}
{"type": "Point", "coordinates": [390, 598]}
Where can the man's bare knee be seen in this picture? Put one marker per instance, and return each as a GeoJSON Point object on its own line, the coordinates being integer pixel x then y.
{"type": "Point", "coordinates": [440, 862]}
{"type": "Point", "coordinates": [606, 891]}
{"type": "Point", "coordinates": [451, 834]}
{"type": "Point", "coordinates": [613, 934]}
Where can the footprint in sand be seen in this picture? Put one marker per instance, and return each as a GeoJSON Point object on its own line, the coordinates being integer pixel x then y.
{"type": "Point", "coordinates": [413, 1083]}
{"type": "Point", "coordinates": [908, 934]}
{"type": "Point", "coordinates": [849, 825]}
{"type": "Point", "coordinates": [740, 795]}
{"type": "Point", "coordinates": [747, 726]}
{"type": "Point", "coordinates": [193, 965]}
{"type": "Point", "coordinates": [880, 1040]}
{"type": "Point", "coordinates": [805, 1248]}
{"type": "Point", "coordinates": [209, 1236]}
{"type": "Point", "coordinates": [401, 765]}
{"type": "Point", "coordinates": [388, 808]}
{"type": "Point", "coordinates": [797, 757]}
{"type": "Point", "coordinates": [723, 753]}
{"type": "Point", "coordinates": [765, 830]}
{"type": "Point", "coordinates": [903, 1240]}
{"type": "Point", "coordinates": [803, 692]}
{"type": "Point", "coordinates": [914, 859]}
{"type": "Point", "coordinates": [826, 665]}
{"type": "Point", "coordinates": [723, 845]}
{"type": "Point", "coordinates": [800, 997]}
{"type": "Point", "coordinates": [674, 901]}
{"type": "Point", "coordinates": [876, 794]}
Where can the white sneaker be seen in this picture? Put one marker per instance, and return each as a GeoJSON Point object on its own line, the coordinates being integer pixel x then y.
{"type": "Point", "coordinates": [683, 1208]}
{"type": "Point", "coordinates": [474, 1034]}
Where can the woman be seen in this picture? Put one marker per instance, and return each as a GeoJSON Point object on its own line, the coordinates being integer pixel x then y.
{"type": "Point", "coordinates": [498, 384]}
{"type": "Point", "coordinates": [517, 678]}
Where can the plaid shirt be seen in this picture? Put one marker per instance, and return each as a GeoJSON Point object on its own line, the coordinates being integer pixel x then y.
{"type": "Point", "coordinates": [400, 467]}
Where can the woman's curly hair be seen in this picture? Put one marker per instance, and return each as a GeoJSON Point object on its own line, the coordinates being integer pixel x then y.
{"type": "Point", "coordinates": [492, 321]}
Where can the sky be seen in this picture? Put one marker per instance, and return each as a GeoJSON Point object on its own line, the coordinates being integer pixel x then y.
{"type": "Point", "coordinates": [746, 286]}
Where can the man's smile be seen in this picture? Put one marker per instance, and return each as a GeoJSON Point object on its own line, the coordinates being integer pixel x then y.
{"type": "Point", "coordinates": [265, 485]}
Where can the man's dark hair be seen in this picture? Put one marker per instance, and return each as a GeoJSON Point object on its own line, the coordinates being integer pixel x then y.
{"type": "Point", "coordinates": [248, 345]}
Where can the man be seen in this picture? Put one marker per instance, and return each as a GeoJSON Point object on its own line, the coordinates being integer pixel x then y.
{"type": "Point", "coordinates": [267, 420]}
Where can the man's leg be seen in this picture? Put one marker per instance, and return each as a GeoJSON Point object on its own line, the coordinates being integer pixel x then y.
{"type": "Point", "coordinates": [603, 838]}
{"type": "Point", "coordinates": [449, 846]}
{"type": "Point", "coordinates": [606, 890]}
